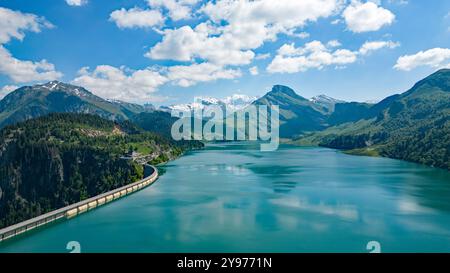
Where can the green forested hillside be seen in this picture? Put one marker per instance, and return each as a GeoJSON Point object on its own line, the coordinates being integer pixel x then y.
{"type": "Point", "coordinates": [413, 126]}
{"type": "Point", "coordinates": [53, 161]}
{"type": "Point", "coordinates": [157, 121]}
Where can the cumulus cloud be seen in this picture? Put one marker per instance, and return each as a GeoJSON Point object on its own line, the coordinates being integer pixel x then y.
{"type": "Point", "coordinates": [120, 83]}
{"type": "Point", "coordinates": [436, 58]}
{"type": "Point", "coordinates": [177, 9]}
{"type": "Point", "coordinates": [188, 75]}
{"type": "Point", "coordinates": [231, 30]}
{"type": "Point", "coordinates": [368, 47]}
{"type": "Point", "coordinates": [187, 44]}
{"type": "Point", "coordinates": [76, 2]}
{"type": "Point", "coordinates": [366, 17]}
{"type": "Point", "coordinates": [301, 35]}
{"type": "Point", "coordinates": [5, 90]}
{"type": "Point", "coordinates": [136, 17]}
{"type": "Point", "coordinates": [282, 14]}
{"type": "Point", "coordinates": [313, 55]}
{"type": "Point", "coordinates": [316, 55]}
{"type": "Point", "coordinates": [26, 71]}
{"type": "Point", "coordinates": [248, 25]}
{"type": "Point", "coordinates": [228, 36]}
{"type": "Point", "coordinates": [139, 85]}
{"type": "Point", "coordinates": [13, 24]}
{"type": "Point", "coordinates": [153, 15]}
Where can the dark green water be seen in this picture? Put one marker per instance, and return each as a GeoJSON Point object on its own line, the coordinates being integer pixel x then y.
{"type": "Point", "coordinates": [234, 198]}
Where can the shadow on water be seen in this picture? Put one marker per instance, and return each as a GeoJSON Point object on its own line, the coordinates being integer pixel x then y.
{"type": "Point", "coordinates": [435, 195]}
{"type": "Point", "coordinates": [279, 175]}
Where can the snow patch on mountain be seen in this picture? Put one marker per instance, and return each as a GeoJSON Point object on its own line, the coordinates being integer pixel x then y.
{"type": "Point", "coordinates": [232, 103]}
{"type": "Point", "coordinates": [326, 101]}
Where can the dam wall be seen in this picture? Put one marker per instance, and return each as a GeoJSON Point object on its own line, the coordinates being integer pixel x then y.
{"type": "Point", "coordinates": [75, 209]}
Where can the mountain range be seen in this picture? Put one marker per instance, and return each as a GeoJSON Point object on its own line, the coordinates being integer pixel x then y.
{"type": "Point", "coordinates": [413, 126]}
{"type": "Point", "coordinates": [38, 100]}
{"type": "Point", "coordinates": [231, 103]}
{"type": "Point", "coordinates": [299, 115]}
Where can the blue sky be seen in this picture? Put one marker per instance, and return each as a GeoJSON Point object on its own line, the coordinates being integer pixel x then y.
{"type": "Point", "coordinates": [167, 52]}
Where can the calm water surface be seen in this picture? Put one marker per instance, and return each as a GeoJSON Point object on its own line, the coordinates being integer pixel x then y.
{"type": "Point", "coordinates": [234, 198]}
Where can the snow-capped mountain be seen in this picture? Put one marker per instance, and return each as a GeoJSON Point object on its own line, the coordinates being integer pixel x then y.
{"type": "Point", "coordinates": [326, 101]}
{"type": "Point", "coordinates": [232, 103]}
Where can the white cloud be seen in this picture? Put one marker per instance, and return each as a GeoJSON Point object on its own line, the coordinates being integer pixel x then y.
{"type": "Point", "coordinates": [188, 75]}
{"type": "Point", "coordinates": [335, 22]}
{"type": "Point", "coordinates": [249, 24]}
{"type": "Point", "coordinates": [187, 44]}
{"type": "Point", "coordinates": [283, 14]}
{"type": "Point", "coordinates": [177, 9]}
{"type": "Point", "coordinates": [313, 55]}
{"type": "Point", "coordinates": [13, 24]}
{"type": "Point", "coordinates": [233, 29]}
{"type": "Point", "coordinates": [152, 16]}
{"type": "Point", "coordinates": [262, 56]}
{"type": "Point", "coordinates": [5, 90]}
{"type": "Point", "coordinates": [26, 71]}
{"type": "Point", "coordinates": [136, 17]}
{"type": "Point", "coordinates": [301, 35]}
{"type": "Point", "coordinates": [120, 83]}
{"type": "Point", "coordinates": [334, 43]}
{"type": "Point", "coordinates": [436, 58]}
{"type": "Point", "coordinates": [368, 47]}
{"type": "Point", "coordinates": [316, 55]}
{"type": "Point", "coordinates": [76, 2]}
{"type": "Point", "coordinates": [139, 85]}
{"type": "Point", "coordinates": [366, 17]}
{"type": "Point", "coordinates": [253, 70]}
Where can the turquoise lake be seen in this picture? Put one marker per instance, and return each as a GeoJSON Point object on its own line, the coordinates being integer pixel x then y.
{"type": "Point", "coordinates": [234, 198]}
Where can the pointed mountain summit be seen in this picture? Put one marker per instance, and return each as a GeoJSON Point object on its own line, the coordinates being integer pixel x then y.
{"type": "Point", "coordinates": [283, 90]}
{"type": "Point", "coordinates": [297, 114]}
{"type": "Point", "coordinates": [281, 95]}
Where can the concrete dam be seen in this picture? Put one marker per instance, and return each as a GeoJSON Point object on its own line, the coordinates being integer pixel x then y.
{"type": "Point", "coordinates": [151, 175]}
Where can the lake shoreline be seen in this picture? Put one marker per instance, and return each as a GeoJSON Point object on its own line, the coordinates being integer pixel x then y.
{"type": "Point", "coordinates": [78, 208]}
{"type": "Point", "coordinates": [369, 152]}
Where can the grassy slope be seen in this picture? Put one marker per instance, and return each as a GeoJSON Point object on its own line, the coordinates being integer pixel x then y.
{"type": "Point", "coordinates": [414, 127]}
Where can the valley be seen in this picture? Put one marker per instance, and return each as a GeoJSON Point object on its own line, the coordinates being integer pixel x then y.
{"type": "Point", "coordinates": [51, 153]}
